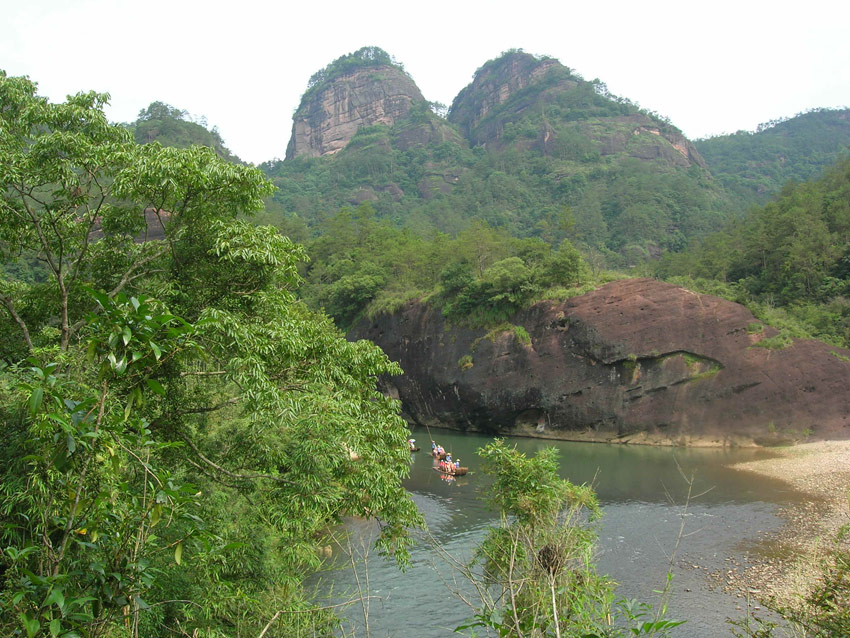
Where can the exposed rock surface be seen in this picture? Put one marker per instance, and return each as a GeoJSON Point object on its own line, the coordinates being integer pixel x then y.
{"type": "Point", "coordinates": [494, 84]}
{"type": "Point", "coordinates": [327, 121]}
{"type": "Point", "coordinates": [517, 83]}
{"type": "Point", "coordinates": [636, 360]}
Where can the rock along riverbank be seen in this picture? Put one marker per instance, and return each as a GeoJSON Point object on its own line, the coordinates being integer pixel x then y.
{"type": "Point", "coordinates": [635, 361]}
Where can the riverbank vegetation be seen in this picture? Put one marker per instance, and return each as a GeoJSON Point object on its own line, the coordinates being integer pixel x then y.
{"type": "Point", "coordinates": [535, 572]}
{"type": "Point", "coordinates": [180, 432]}
{"type": "Point", "coordinates": [363, 266]}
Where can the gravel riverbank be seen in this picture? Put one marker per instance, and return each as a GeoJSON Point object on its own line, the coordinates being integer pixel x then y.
{"type": "Point", "coordinates": [785, 562]}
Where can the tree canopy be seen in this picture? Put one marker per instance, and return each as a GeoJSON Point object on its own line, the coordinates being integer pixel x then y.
{"type": "Point", "coordinates": [790, 255]}
{"type": "Point", "coordinates": [182, 434]}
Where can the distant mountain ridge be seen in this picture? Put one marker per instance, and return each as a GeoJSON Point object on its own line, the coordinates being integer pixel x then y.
{"type": "Point", "coordinates": [756, 165]}
{"type": "Point", "coordinates": [505, 90]}
{"type": "Point", "coordinates": [529, 146]}
{"type": "Point", "coordinates": [367, 88]}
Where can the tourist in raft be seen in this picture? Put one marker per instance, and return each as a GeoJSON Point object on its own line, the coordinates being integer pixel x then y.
{"type": "Point", "coordinates": [411, 443]}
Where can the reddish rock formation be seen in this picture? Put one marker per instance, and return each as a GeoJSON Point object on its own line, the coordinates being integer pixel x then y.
{"type": "Point", "coordinates": [505, 89]}
{"type": "Point", "coordinates": [494, 84]}
{"type": "Point", "coordinates": [637, 360]}
{"type": "Point", "coordinates": [328, 119]}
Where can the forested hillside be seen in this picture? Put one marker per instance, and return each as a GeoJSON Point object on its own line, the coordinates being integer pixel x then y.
{"type": "Point", "coordinates": [531, 161]}
{"type": "Point", "coordinates": [755, 165]}
{"type": "Point", "coordinates": [792, 254]}
{"type": "Point", "coordinates": [171, 126]}
{"type": "Point", "coordinates": [555, 156]}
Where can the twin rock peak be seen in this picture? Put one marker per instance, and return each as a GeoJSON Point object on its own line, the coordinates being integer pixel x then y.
{"type": "Point", "coordinates": [368, 88]}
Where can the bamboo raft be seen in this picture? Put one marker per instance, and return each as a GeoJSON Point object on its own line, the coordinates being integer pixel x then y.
{"type": "Point", "coordinates": [458, 472]}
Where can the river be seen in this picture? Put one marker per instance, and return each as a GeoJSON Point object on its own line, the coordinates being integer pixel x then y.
{"type": "Point", "coordinates": [643, 491]}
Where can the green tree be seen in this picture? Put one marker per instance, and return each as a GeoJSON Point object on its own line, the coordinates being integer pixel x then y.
{"type": "Point", "coordinates": [564, 267]}
{"type": "Point", "coordinates": [182, 433]}
{"type": "Point", "coordinates": [538, 562]}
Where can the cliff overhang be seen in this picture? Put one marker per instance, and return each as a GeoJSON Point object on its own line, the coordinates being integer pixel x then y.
{"type": "Point", "coordinates": [636, 361]}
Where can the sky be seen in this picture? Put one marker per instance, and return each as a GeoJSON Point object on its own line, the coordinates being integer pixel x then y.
{"type": "Point", "coordinates": [711, 67]}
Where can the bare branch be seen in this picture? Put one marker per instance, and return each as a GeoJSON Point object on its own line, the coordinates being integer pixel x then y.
{"type": "Point", "coordinates": [212, 408]}
{"type": "Point", "coordinates": [201, 373]}
{"type": "Point", "coordinates": [128, 276]}
{"type": "Point", "coordinates": [10, 306]}
{"type": "Point", "coordinates": [240, 477]}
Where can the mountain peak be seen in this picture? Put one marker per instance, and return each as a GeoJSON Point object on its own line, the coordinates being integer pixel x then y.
{"type": "Point", "coordinates": [495, 83]}
{"type": "Point", "coordinates": [358, 89]}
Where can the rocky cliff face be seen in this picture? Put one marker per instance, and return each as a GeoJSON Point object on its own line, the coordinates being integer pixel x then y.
{"type": "Point", "coordinates": [637, 360]}
{"type": "Point", "coordinates": [328, 119]}
{"type": "Point", "coordinates": [494, 84]}
{"type": "Point", "coordinates": [524, 92]}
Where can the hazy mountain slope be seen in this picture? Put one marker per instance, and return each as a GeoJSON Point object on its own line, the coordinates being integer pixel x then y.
{"type": "Point", "coordinates": [755, 165]}
{"type": "Point", "coordinates": [170, 126]}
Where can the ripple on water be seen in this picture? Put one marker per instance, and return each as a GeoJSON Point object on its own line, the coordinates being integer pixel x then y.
{"type": "Point", "coordinates": [637, 533]}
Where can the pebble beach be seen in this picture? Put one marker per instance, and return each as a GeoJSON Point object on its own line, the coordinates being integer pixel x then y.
{"type": "Point", "coordinates": [787, 562]}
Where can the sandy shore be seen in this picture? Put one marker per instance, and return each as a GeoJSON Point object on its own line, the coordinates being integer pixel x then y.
{"type": "Point", "coordinates": [788, 559]}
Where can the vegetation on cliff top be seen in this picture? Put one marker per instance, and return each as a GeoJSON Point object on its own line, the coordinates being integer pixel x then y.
{"type": "Point", "coordinates": [365, 265]}
{"type": "Point", "coordinates": [789, 260]}
{"type": "Point", "coordinates": [364, 58]}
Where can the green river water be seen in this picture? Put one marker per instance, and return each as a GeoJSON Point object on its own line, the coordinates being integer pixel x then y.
{"type": "Point", "coordinates": [642, 491]}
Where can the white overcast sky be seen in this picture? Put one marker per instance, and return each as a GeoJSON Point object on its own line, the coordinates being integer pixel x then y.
{"type": "Point", "coordinates": [712, 67]}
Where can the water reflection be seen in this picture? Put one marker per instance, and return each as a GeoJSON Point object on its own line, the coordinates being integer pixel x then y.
{"type": "Point", "coordinates": [642, 490]}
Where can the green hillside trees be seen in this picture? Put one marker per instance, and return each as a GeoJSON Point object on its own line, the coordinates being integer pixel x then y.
{"type": "Point", "coordinates": [181, 434]}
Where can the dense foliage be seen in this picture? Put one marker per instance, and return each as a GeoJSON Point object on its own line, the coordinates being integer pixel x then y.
{"type": "Point", "coordinates": [170, 126]}
{"type": "Point", "coordinates": [181, 434]}
{"type": "Point", "coordinates": [365, 265]}
{"type": "Point", "coordinates": [791, 254]}
{"type": "Point", "coordinates": [559, 142]}
{"type": "Point", "coordinates": [755, 165]}
{"type": "Point", "coordinates": [537, 575]}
